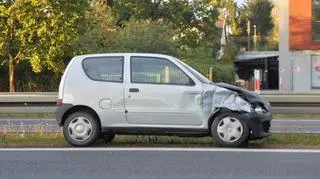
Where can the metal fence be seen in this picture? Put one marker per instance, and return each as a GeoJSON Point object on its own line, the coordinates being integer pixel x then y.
{"type": "Point", "coordinates": [282, 103]}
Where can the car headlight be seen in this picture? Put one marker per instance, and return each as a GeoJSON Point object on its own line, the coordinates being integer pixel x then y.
{"type": "Point", "coordinates": [258, 109]}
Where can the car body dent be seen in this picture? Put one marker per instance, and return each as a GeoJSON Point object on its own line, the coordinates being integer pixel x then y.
{"type": "Point", "coordinates": [251, 97]}
{"type": "Point", "coordinates": [215, 97]}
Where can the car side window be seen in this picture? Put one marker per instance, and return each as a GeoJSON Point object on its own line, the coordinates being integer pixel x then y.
{"type": "Point", "coordinates": [109, 69]}
{"type": "Point", "coordinates": [155, 70]}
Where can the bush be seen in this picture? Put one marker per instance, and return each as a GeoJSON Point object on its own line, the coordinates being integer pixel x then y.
{"type": "Point", "coordinates": [145, 36]}
{"type": "Point", "coordinates": [201, 59]}
{"type": "Point", "coordinates": [223, 73]}
{"type": "Point", "coordinates": [28, 81]}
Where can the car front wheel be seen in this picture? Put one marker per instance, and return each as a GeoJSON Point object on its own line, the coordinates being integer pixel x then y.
{"type": "Point", "coordinates": [229, 130]}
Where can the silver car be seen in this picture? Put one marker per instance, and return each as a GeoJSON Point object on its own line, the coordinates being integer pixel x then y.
{"type": "Point", "coordinates": [102, 95]}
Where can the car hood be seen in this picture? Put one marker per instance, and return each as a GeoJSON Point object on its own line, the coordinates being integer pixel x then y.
{"type": "Point", "coordinates": [247, 95]}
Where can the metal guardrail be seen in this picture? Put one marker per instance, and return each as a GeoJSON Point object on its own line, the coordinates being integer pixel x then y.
{"type": "Point", "coordinates": [45, 102]}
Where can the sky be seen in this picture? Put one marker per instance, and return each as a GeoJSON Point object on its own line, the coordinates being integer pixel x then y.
{"type": "Point", "coordinates": [239, 1]}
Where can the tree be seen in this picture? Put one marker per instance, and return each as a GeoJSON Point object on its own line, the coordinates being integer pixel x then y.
{"type": "Point", "coordinates": [274, 36]}
{"type": "Point", "coordinates": [145, 36]}
{"type": "Point", "coordinates": [99, 30]}
{"type": "Point", "coordinates": [191, 20]}
{"type": "Point", "coordinates": [194, 21]}
{"type": "Point", "coordinates": [38, 31]}
{"type": "Point", "coordinates": [234, 16]}
{"type": "Point", "coordinates": [259, 14]}
{"type": "Point", "coordinates": [138, 9]}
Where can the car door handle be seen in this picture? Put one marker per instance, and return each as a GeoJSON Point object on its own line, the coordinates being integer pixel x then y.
{"type": "Point", "coordinates": [134, 90]}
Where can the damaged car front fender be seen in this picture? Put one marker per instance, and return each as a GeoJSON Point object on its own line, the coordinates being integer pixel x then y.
{"type": "Point", "coordinates": [215, 97]}
{"type": "Point", "coordinates": [222, 95]}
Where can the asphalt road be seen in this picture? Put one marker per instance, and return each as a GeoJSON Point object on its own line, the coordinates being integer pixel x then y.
{"type": "Point", "coordinates": [147, 164]}
{"type": "Point", "coordinates": [50, 125]}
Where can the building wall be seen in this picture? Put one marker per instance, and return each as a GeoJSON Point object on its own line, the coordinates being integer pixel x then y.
{"type": "Point", "coordinates": [299, 56]}
{"type": "Point", "coordinates": [301, 71]}
{"type": "Point", "coordinates": [300, 26]}
{"type": "Point", "coordinates": [285, 62]}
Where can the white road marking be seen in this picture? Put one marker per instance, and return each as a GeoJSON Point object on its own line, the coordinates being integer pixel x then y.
{"type": "Point", "coordinates": [295, 120]}
{"type": "Point", "coordinates": [161, 150]}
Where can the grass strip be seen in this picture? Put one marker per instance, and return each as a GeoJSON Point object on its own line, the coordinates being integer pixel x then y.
{"type": "Point", "coordinates": [282, 140]}
{"type": "Point", "coordinates": [297, 116]}
{"type": "Point", "coordinates": [26, 115]}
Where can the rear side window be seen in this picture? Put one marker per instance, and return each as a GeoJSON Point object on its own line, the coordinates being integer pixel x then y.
{"type": "Point", "coordinates": [108, 69]}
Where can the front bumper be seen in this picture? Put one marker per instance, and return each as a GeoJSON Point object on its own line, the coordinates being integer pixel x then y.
{"type": "Point", "coordinates": [258, 123]}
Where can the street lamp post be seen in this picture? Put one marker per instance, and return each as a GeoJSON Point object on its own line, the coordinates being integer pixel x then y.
{"type": "Point", "coordinates": [255, 37]}
{"type": "Point", "coordinates": [248, 30]}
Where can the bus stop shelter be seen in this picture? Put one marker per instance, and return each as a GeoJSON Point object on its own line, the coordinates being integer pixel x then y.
{"type": "Point", "coordinates": [267, 62]}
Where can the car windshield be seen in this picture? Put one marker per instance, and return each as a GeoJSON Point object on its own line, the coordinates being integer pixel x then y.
{"type": "Point", "coordinates": [198, 75]}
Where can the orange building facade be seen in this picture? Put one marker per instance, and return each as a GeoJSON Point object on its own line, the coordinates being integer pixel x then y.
{"type": "Point", "coordinates": [300, 26]}
{"type": "Point", "coordinates": [299, 48]}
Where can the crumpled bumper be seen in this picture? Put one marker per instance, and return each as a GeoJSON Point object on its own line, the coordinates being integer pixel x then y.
{"type": "Point", "coordinates": [259, 124]}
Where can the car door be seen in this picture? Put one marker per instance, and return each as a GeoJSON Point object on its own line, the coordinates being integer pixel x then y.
{"type": "Point", "coordinates": [161, 93]}
{"type": "Point", "coordinates": [104, 86]}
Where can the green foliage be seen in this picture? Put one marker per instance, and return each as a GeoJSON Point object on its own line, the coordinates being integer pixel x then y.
{"type": "Point", "coordinates": [223, 73]}
{"type": "Point", "coordinates": [99, 30]}
{"type": "Point", "coordinates": [259, 13]}
{"type": "Point", "coordinates": [144, 36]}
{"type": "Point", "coordinates": [194, 21]}
{"type": "Point", "coordinates": [199, 58]}
{"type": "Point", "coordinates": [38, 36]}
{"type": "Point", "coordinates": [191, 21]}
{"type": "Point", "coordinates": [139, 9]}
{"type": "Point", "coordinates": [40, 32]}
{"type": "Point", "coordinates": [274, 36]}
{"type": "Point", "coordinates": [236, 17]}
{"type": "Point", "coordinates": [230, 52]}
{"type": "Point", "coordinates": [29, 81]}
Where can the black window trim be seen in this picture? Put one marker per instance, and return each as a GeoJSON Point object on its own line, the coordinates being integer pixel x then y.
{"type": "Point", "coordinates": [193, 83]}
{"type": "Point", "coordinates": [314, 40]}
{"type": "Point", "coordinates": [311, 66]}
{"type": "Point", "coordinates": [112, 81]}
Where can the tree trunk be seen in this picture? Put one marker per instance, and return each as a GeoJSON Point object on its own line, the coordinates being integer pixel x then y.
{"type": "Point", "coordinates": [11, 74]}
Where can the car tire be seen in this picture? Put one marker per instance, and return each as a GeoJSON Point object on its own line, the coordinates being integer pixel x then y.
{"type": "Point", "coordinates": [229, 130]}
{"type": "Point", "coordinates": [81, 129]}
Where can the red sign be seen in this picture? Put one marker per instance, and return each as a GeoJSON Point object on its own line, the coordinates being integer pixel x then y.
{"type": "Point", "coordinates": [317, 68]}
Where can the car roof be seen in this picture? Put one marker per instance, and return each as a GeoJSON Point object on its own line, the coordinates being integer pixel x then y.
{"type": "Point", "coordinates": [124, 54]}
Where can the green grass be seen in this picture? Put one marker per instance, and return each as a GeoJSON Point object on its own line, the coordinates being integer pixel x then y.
{"type": "Point", "coordinates": [31, 139]}
{"type": "Point", "coordinates": [297, 116]}
{"type": "Point", "coordinates": [26, 115]}
{"type": "Point", "coordinates": [288, 140]}
{"type": "Point", "coordinates": [283, 140]}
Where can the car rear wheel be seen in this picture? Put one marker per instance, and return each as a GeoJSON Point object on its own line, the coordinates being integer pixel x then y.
{"type": "Point", "coordinates": [229, 130]}
{"type": "Point", "coordinates": [81, 129]}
